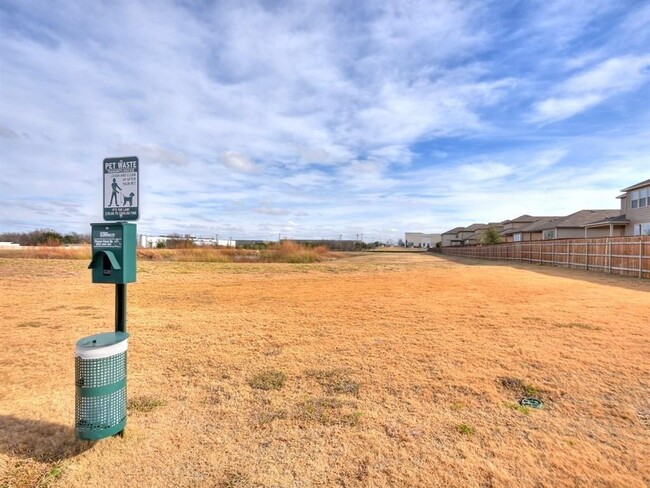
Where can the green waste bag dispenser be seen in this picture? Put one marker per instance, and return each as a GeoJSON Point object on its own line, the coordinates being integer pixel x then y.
{"type": "Point", "coordinates": [113, 251]}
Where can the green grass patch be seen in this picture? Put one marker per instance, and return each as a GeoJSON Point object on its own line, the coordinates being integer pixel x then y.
{"type": "Point", "coordinates": [328, 411]}
{"type": "Point", "coordinates": [144, 403]}
{"type": "Point", "coordinates": [268, 380]}
{"type": "Point", "coordinates": [520, 386]}
{"type": "Point", "coordinates": [465, 429]}
{"type": "Point", "coordinates": [518, 408]}
{"type": "Point", "coordinates": [268, 415]}
{"type": "Point", "coordinates": [235, 479]}
{"type": "Point", "coordinates": [51, 477]}
{"type": "Point", "coordinates": [335, 381]}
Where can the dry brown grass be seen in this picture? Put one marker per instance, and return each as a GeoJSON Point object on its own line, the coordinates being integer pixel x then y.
{"type": "Point", "coordinates": [284, 252]}
{"type": "Point", "coordinates": [45, 252]}
{"type": "Point", "coordinates": [398, 370]}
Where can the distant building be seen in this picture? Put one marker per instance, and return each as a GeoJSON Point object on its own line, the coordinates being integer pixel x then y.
{"type": "Point", "coordinates": [418, 239]}
{"type": "Point", "coordinates": [155, 241]}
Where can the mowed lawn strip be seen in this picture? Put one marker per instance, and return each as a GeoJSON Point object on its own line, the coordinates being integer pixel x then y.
{"type": "Point", "coordinates": [380, 370]}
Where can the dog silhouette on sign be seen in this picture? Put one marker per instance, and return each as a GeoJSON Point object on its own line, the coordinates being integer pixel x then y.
{"type": "Point", "coordinates": [128, 199]}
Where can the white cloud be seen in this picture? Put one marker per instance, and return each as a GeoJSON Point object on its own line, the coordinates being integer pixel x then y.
{"type": "Point", "coordinates": [593, 86]}
{"type": "Point", "coordinates": [271, 211]}
{"type": "Point", "coordinates": [237, 162]}
{"type": "Point", "coordinates": [154, 154]}
{"type": "Point", "coordinates": [483, 171]}
{"type": "Point", "coordinates": [554, 109]}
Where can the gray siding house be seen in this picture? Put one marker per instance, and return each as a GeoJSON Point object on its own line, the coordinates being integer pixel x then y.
{"type": "Point", "coordinates": [574, 225]}
{"type": "Point", "coordinates": [636, 202]}
{"type": "Point", "coordinates": [452, 237]}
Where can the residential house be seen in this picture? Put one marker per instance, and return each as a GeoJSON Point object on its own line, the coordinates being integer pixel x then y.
{"type": "Point", "coordinates": [452, 237]}
{"type": "Point", "coordinates": [636, 207]}
{"type": "Point", "coordinates": [471, 235]}
{"type": "Point", "coordinates": [535, 230]}
{"type": "Point", "coordinates": [633, 218]}
{"type": "Point", "coordinates": [573, 226]}
{"type": "Point", "coordinates": [479, 234]}
{"type": "Point", "coordinates": [513, 229]}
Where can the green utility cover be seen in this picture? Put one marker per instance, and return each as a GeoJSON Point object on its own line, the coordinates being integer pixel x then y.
{"type": "Point", "coordinates": [531, 402]}
{"type": "Point", "coordinates": [103, 339]}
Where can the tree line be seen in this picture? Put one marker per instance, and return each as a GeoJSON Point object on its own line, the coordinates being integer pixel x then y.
{"type": "Point", "coordinates": [44, 237]}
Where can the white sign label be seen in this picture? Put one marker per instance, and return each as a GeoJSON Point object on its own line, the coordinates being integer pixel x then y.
{"type": "Point", "coordinates": [121, 188]}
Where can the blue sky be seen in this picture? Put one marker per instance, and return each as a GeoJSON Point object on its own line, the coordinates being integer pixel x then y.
{"type": "Point", "coordinates": [320, 119]}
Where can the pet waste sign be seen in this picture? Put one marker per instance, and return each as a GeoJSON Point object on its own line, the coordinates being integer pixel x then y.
{"type": "Point", "coordinates": [121, 188]}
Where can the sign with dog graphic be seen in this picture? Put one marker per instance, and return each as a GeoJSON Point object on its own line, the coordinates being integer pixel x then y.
{"type": "Point", "coordinates": [121, 188]}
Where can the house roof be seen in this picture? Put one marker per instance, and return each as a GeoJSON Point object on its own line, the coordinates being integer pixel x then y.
{"type": "Point", "coordinates": [618, 220]}
{"type": "Point", "coordinates": [638, 185]}
{"type": "Point", "coordinates": [539, 224]}
{"type": "Point", "coordinates": [455, 230]}
{"type": "Point", "coordinates": [525, 228]}
{"type": "Point", "coordinates": [474, 227]}
{"type": "Point", "coordinates": [582, 217]}
{"type": "Point", "coordinates": [576, 219]}
{"type": "Point", "coordinates": [521, 219]}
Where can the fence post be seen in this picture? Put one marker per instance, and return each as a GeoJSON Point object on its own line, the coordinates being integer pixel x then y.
{"type": "Point", "coordinates": [640, 257]}
{"type": "Point", "coordinates": [609, 256]}
{"type": "Point", "coordinates": [553, 263]}
{"type": "Point", "coordinates": [587, 255]}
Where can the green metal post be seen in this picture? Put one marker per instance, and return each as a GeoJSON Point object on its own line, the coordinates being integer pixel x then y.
{"type": "Point", "coordinates": [120, 308]}
{"type": "Point", "coordinates": [120, 317]}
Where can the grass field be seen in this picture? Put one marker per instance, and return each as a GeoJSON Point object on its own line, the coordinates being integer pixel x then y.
{"type": "Point", "coordinates": [379, 370]}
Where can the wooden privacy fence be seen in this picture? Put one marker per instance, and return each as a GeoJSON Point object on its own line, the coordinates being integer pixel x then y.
{"type": "Point", "coordinates": [628, 256]}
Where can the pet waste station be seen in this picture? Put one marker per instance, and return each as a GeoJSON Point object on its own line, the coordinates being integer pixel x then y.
{"type": "Point", "coordinates": [100, 359]}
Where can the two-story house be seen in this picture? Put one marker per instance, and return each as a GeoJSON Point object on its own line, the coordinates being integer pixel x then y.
{"type": "Point", "coordinates": [452, 237]}
{"type": "Point", "coordinates": [635, 203]}
{"type": "Point", "coordinates": [633, 218]}
{"type": "Point", "coordinates": [575, 225]}
{"type": "Point", "coordinates": [468, 234]}
{"type": "Point", "coordinates": [515, 230]}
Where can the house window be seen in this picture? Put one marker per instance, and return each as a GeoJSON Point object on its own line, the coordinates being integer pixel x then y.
{"type": "Point", "coordinates": [549, 234]}
{"type": "Point", "coordinates": [635, 199]}
{"type": "Point", "coordinates": [643, 197]}
{"type": "Point", "coordinates": [642, 229]}
{"type": "Point", "coordinates": [517, 237]}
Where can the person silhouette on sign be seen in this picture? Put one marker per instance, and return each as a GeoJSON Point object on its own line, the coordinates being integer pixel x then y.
{"type": "Point", "coordinates": [115, 187]}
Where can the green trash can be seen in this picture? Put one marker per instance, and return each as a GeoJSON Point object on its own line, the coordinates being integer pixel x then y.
{"type": "Point", "coordinates": [100, 378]}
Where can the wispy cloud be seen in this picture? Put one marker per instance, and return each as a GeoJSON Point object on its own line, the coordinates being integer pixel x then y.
{"type": "Point", "coordinates": [238, 162]}
{"type": "Point", "coordinates": [593, 86]}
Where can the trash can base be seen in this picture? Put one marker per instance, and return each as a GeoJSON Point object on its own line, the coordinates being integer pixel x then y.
{"type": "Point", "coordinates": [96, 434]}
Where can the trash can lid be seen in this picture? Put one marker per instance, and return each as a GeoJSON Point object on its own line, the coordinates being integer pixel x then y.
{"type": "Point", "coordinates": [102, 345]}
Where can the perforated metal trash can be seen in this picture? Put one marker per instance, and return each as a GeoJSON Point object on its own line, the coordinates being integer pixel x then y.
{"type": "Point", "coordinates": [100, 378]}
